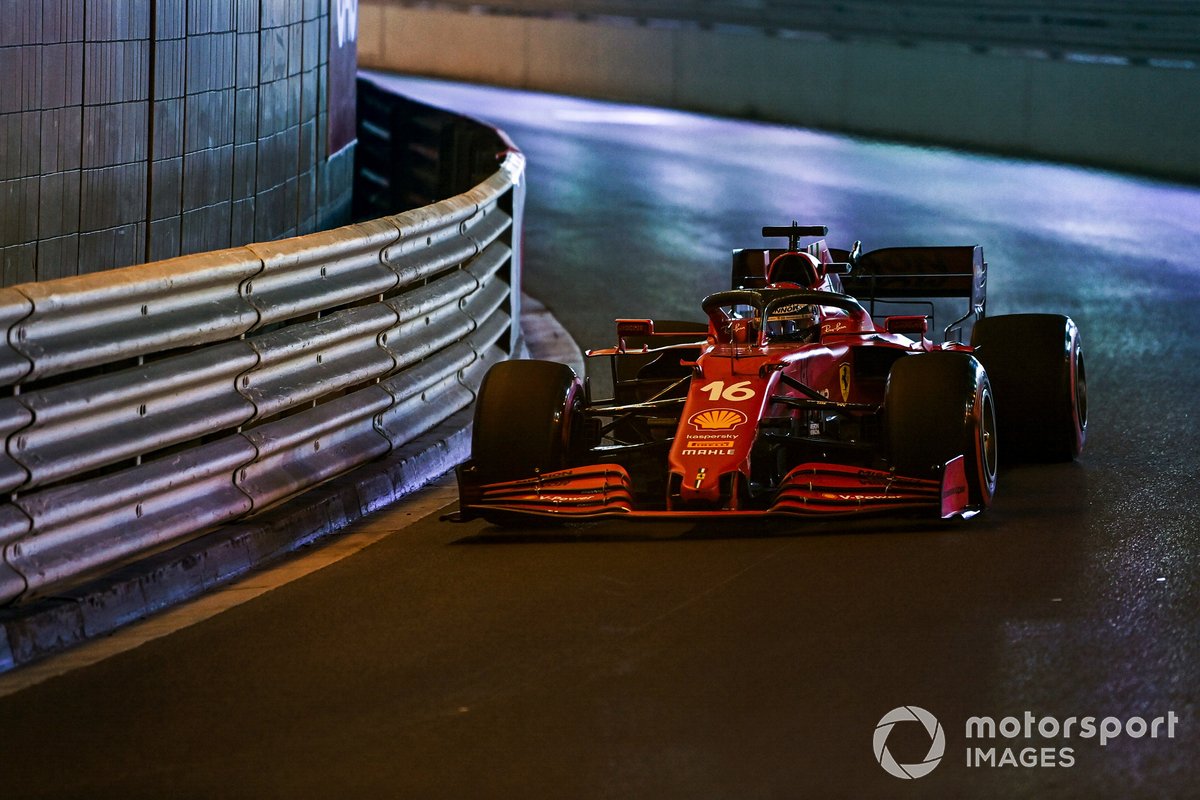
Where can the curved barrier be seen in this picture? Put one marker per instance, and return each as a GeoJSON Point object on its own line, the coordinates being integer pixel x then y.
{"type": "Point", "coordinates": [150, 403]}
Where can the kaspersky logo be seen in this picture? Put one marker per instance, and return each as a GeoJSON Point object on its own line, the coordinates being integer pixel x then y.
{"type": "Point", "coordinates": [937, 742]}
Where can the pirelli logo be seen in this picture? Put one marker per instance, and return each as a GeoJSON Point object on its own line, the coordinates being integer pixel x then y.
{"type": "Point", "coordinates": [718, 443]}
{"type": "Point", "coordinates": [709, 447]}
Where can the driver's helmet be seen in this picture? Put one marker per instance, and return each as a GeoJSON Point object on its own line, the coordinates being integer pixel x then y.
{"type": "Point", "coordinates": [797, 322]}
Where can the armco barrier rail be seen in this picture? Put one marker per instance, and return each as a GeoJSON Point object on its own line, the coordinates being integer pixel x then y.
{"type": "Point", "coordinates": [150, 403]}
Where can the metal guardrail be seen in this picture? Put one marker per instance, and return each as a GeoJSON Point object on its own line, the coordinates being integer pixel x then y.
{"type": "Point", "coordinates": [1156, 32]}
{"type": "Point", "coordinates": [148, 404]}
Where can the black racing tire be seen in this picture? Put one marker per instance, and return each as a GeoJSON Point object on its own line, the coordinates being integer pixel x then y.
{"type": "Point", "coordinates": [1036, 366]}
{"type": "Point", "coordinates": [938, 406]}
{"type": "Point", "coordinates": [524, 419]}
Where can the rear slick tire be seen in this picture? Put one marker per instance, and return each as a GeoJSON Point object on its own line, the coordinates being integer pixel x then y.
{"type": "Point", "coordinates": [1035, 363]}
{"type": "Point", "coordinates": [938, 406]}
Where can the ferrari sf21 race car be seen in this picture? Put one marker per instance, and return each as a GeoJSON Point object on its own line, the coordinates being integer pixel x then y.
{"type": "Point", "coordinates": [793, 398]}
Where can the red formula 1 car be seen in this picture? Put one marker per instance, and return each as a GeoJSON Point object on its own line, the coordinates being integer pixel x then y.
{"type": "Point", "coordinates": [793, 398]}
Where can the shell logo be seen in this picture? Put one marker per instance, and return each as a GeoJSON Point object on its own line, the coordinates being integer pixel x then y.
{"type": "Point", "coordinates": [717, 419]}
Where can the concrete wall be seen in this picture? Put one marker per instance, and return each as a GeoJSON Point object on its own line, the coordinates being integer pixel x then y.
{"type": "Point", "coordinates": [136, 130]}
{"type": "Point", "coordinates": [1138, 118]}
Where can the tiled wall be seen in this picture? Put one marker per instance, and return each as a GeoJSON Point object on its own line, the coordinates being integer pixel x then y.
{"type": "Point", "coordinates": [136, 130]}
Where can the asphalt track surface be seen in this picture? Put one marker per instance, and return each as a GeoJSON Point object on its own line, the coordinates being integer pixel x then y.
{"type": "Point", "coordinates": [742, 661]}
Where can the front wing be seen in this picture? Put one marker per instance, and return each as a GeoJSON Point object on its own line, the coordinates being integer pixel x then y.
{"type": "Point", "coordinates": [809, 490]}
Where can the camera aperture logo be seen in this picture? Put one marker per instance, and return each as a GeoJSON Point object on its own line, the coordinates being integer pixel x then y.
{"type": "Point", "coordinates": [937, 742]}
{"type": "Point", "coordinates": [1025, 741]}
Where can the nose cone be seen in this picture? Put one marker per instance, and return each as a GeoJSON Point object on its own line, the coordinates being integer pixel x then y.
{"type": "Point", "coordinates": [716, 431]}
{"type": "Point", "coordinates": [712, 444]}
{"type": "Point", "coordinates": [703, 489]}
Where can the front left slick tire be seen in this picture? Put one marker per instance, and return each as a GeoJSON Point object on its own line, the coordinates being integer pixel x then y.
{"type": "Point", "coordinates": [524, 420]}
{"type": "Point", "coordinates": [938, 406]}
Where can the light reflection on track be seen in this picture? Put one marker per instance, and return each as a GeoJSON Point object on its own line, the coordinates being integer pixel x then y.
{"type": "Point", "coordinates": [624, 660]}
{"type": "Point", "coordinates": [1090, 584]}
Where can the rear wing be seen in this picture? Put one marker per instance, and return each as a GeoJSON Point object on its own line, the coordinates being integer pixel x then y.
{"type": "Point", "coordinates": [905, 273]}
{"type": "Point", "coordinates": [898, 274]}
{"type": "Point", "coordinates": [887, 275]}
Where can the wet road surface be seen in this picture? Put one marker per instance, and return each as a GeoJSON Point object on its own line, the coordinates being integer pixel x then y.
{"type": "Point", "coordinates": [673, 660]}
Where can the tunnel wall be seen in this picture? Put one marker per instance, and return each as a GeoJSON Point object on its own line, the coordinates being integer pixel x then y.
{"type": "Point", "coordinates": [137, 130]}
{"type": "Point", "coordinates": [142, 406]}
{"type": "Point", "coordinates": [1129, 116]}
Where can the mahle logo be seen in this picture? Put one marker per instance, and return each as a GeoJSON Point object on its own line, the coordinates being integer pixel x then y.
{"type": "Point", "coordinates": [937, 742]}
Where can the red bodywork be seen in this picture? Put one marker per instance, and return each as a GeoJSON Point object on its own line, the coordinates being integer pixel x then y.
{"type": "Point", "coordinates": [750, 385]}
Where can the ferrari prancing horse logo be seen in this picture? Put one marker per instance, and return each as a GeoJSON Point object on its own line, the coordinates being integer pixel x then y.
{"type": "Point", "coordinates": [844, 376]}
